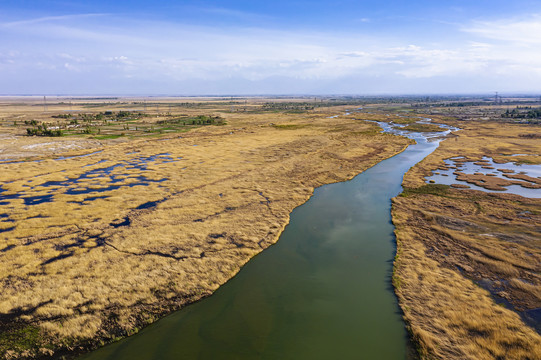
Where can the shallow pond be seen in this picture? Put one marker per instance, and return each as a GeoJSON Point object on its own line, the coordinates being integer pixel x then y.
{"type": "Point", "coordinates": [488, 167]}
{"type": "Point", "coordinates": [323, 291]}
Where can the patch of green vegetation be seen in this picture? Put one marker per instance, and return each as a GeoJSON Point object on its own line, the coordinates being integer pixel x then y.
{"type": "Point", "coordinates": [112, 125]}
{"type": "Point", "coordinates": [287, 126]}
{"type": "Point", "coordinates": [194, 120]}
{"type": "Point", "coordinates": [395, 278]}
{"type": "Point", "coordinates": [43, 130]}
{"type": "Point", "coordinates": [526, 112]}
{"type": "Point", "coordinates": [368, 132]}
{"type": "Point", "coordinates": [432, 189]}
{"type": "Point", "coordinates": [448, 118]}
{"type": "Point", "coordinates": [112, 136]}
{"type": "Point", "coordinates": [296, 111]}
{"type": "Point", "coordinates": [479, 207]}
{"type": "Point", "coordinates": [20, 339]}
{"type": "Point", "coordinates": [160, 132]}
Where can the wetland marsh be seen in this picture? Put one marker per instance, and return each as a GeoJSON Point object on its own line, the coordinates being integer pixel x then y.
{"type": "Point", "coordinates": [322, 291]}
{"type": "Point", "coordinates": [96, 260]}
{"type": "Point", "coordinates": [103, 235]}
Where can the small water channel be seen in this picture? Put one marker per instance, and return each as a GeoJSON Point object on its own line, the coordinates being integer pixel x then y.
{"type": "Point", "coordinates": [323, 291]}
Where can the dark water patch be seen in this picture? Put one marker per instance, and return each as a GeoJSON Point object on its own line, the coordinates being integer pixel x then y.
{"type": "Point", "coordinates": [39, 217]}
{"type": "Point", "coordinates": [56, 258]}
{"type": "Point", "coordinates": [107, 180]}
{"type": "Point", "coordinates": [7, 229]}
{"type": "Point", "coordinates": [14, 314]}
{"type": "Point", "coordinates": [217, 236]}
{"type": "Point", "coordinates": [89, 199]}
{"type": "Point", "coordinates": [99, 162]}
{"type": "Point", "coordinates": [92, 198]}
{"type": "Point", "coordinates": [143, 181]}
{"type": "Point", "coordinates": [36, 200]}
{"type": "Point", "coordinates": [533, 318]}
{"type": "Point", "coordinates": [7, 248]}
{"type": "Point", "coordinates": [125, 222]}
{"type": "Point", "coordinates": [150, 204]}
{"type": "Point", "coordinates": [8, 196]}
{"type": "Point", "coordinates": [100, 241]}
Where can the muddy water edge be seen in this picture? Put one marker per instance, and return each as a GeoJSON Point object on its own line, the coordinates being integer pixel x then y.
{"type": "Point", "coordinates": [322, 291]}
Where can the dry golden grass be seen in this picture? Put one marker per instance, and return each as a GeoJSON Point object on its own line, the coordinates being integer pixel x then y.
{"type": "Point", "coordinates": [454, 245]}
{"type": "Point", "coordinates": [74, 268]}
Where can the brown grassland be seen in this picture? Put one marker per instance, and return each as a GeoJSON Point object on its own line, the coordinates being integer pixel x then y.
{"type": "Point", "coordinates": [122, 230]}
{"type": "Point", "coordinates": [467, 266]}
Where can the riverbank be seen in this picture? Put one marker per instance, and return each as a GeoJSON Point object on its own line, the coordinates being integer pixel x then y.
{"type": "Point", "coordinates": [467, 266]}
{"type": "Point", "coordinates": [99, 244]}
{"type": "Point", "coordinates": [322, 291]}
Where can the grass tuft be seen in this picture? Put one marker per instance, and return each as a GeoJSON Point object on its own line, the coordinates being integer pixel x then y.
{"type": "Point", "coordinates": [432, 189]}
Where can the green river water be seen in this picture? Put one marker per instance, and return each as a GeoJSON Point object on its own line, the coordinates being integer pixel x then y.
{"type": "Point", "coordinates": [323, 291]}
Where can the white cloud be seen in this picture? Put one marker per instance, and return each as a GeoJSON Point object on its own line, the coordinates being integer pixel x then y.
{"type": "Point", "coordinates": [48, 19]}
{"type": "Point", "coordinates": [518, 31]}
{"type": "Point", "coordinates": [173, 54]}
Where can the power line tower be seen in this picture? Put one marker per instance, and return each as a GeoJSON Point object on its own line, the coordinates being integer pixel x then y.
{"type": "Point", "coordinates": [44, 104]}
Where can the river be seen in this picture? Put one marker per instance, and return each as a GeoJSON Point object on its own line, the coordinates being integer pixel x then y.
{"type": "Point", "coordinates": [323, 291]}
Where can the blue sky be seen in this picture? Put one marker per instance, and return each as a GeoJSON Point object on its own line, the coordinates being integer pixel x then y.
{"type": "Point", "coordinates": [279, 47]}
